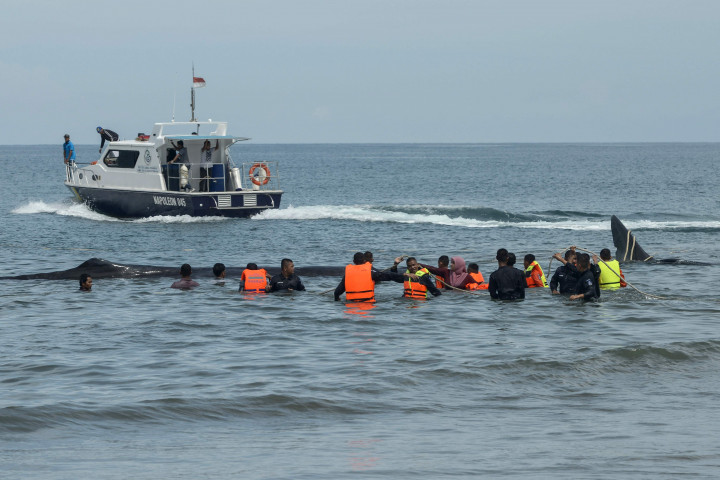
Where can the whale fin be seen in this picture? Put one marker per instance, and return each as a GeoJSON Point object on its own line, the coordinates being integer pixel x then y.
{"type": "Point", "coordinates": [628, 249]}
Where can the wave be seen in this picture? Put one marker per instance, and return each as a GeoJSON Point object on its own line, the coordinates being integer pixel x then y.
{"type": "Point", "coordinates": [29, 419]}
{"type": "Point", "coordinates": [80, 210]}
{"type": "Point", "coordinates": [517, 376]}
{"type": "Point", "coordinates": [472, 217]}
{"type": "Point", "coordinates": [442, 215]}
{"type": "Point", "coordinates": [60, 208]}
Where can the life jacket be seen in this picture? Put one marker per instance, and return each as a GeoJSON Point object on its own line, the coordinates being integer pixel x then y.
{"type": "Point", "coordinates": [529, 279]}
{"type": "Point", "coordinates": [609, 280]}
{"type": "Point", "coordinates": [359, 285]}
{"type": "Point", "coordinates": [479, 282]}
{"type": "Point", "coordinates": [415, 289]}
{"type": "Point", "coordinates": [255, 280]}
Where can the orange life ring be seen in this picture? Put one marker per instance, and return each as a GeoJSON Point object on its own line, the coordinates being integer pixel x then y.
{"type": "Point", "coordinates": [263, 177]}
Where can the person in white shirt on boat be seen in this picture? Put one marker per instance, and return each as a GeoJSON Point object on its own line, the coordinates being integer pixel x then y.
{"type": "Point", "coordinates": [206, 154]}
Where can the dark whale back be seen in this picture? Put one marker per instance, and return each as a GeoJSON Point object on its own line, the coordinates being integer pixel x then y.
{"type": "Point", "coordinates": [101, 268]}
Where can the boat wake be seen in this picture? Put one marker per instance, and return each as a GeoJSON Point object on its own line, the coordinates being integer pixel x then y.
{"type": "Point", "coordinates": [80, 210]}
{"type": "Point", "coordinates": [442, 215]}
{"type": "Point", "coordinates": [65, 209]}
{"type": "Point", "coordinates": [478, 217]}
{"type": "Point", "coordinates": [453, 216]}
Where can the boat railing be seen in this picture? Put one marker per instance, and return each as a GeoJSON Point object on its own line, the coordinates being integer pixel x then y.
{"type": "Point", "coordinates": [260, 176]}
{"type": "Point", "coordinates": [221, 177]}
{"type": "Point", "coordinates": [78, 175]}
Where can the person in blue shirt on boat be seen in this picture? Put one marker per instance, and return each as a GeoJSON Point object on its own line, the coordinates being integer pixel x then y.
{"type": "Point", "coordinates": [68, 150]}
{"type": "Point", "coordinates": [108, 135]}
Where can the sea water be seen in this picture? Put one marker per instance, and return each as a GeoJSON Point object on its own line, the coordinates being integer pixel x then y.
{"type": "Point", "coordinates": [135, 380]}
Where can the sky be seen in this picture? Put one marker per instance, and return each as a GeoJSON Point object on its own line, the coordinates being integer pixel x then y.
{"type": "Point", "coordinates": [366, 71]}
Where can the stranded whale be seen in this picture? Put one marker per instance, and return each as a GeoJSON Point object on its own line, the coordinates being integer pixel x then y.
{"type": "Point", "coordinates": [627, 247]}
{"type": "Point", "coordinates": [628, 250]}
{"type": "Point", "coordinates": [99, 268]}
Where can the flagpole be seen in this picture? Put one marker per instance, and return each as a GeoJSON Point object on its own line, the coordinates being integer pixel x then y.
{"type": "Point", "coordinates": [192, 96]}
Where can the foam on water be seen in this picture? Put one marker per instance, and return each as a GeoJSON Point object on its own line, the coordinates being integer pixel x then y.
{"type": "Point", "coordinates": [468, 217]}
{"type": "Point", "coordinates": [443, 215]}
{"type": "Point", "coordinates": [61, 208]}
{"type": "Point", "coordinates": [81, 210]}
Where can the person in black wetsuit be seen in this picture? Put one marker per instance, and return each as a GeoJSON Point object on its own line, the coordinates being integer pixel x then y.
{"type": "Point", "coordinates": [507, 282]}
{"type": "Point", "coordinates": [286, 279]}
{"type": "Point", "coordinates": [566, 275]}
{"type": "Point", "coordinates": [108, 135]}
{"type": "Point", "coordinates": [587, 287]}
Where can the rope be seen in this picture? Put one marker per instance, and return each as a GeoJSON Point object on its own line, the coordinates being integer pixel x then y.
{"type": "Point", "coordinates": [469, 292]}
{"type": "Point", "coordinates": [632, 250]}
{"type": "Point", "coordinates": [616, 273]}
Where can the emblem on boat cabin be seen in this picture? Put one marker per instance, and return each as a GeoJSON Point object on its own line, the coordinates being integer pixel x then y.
{"type": "Point", "coordinates": [147, 157]}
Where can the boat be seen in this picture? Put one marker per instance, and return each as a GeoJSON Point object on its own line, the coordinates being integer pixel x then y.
{"type": "Point", "coordinates": [133, 179]}
{"type": "Point", "coordinates": [138, 178]}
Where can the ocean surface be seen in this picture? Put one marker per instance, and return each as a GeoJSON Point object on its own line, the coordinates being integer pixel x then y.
{"type": "Point", "coordinates": [135, 380]}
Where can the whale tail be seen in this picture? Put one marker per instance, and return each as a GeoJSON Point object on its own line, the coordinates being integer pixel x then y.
{"type": "Point", "coordinates": [628, 249]}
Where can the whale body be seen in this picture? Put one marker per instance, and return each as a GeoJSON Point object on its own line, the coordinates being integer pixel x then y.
{"type": "Point", "coordinates": [100, 268]}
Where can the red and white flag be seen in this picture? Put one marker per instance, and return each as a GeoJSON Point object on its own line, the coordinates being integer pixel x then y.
{"type": "Point", "coordinates": [198, 82]}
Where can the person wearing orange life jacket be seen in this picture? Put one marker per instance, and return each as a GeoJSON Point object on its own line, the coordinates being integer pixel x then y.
{"type": "Point", "coordinates": [609, 270]}
{"type": "Point", "coordinates": [534, 275]}
{"type": "Point", "coordinates": [418, 283]}
{"type": "Point", "coordinates": [358, 283]}
{"type": "Point", "coordinates": [478, 282]}
{"type": "Point", "coordinates": [254, 279]}
{"type": "Point", "coordinates": [369, 259]}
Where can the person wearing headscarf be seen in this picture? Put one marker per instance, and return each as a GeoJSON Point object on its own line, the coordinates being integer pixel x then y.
{"type": "Point", "coordinates": [458, 273]}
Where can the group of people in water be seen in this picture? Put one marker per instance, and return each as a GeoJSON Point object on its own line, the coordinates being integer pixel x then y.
{"type": "Point", "coordinates": [577, 277]}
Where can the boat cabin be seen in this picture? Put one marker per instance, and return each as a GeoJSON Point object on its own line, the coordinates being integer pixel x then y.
{"type": "Point", "coordinates": [146, 163]}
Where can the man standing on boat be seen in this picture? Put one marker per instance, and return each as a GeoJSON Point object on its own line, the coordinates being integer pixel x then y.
{"type": "Point", "coordinates": [108, 135]}
{"type": "Point", "coordinates": [68, 150]}
{"type": "Point", "coordinates": [181, 153]}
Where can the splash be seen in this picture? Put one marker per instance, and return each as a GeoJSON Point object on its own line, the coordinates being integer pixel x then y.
{"type": "Point", "coordinates": [80, 210]}
{"type": "Point", "coordinates": [465, 217]}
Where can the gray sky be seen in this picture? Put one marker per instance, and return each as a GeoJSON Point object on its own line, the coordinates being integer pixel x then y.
{"type": "Point", "coordinates": [306, 71]}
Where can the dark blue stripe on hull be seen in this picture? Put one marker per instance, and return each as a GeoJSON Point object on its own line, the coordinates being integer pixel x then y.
{"type": "Point", "coordinates": [126, 204]}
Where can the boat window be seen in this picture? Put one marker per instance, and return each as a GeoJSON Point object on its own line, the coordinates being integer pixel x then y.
{"type": "Point", "coordinates": [121, 158]}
